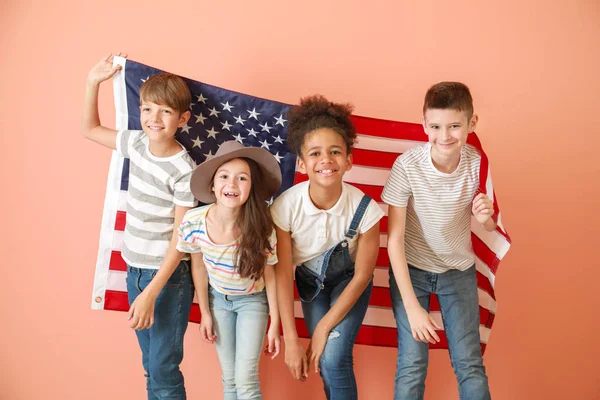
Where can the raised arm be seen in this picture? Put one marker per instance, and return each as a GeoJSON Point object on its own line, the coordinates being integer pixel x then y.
{"type": "Point", "coordinates": [91, 127]}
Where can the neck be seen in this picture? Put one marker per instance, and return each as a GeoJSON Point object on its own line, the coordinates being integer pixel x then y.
{"type": "Point", "coordinates": [225, 217]}
{"type": "Point", "coordinates": [324, 198]}
{"type": "Point", "coordinates": [164, 148]}
{"type": "Point", "coordinates": [445, 164]}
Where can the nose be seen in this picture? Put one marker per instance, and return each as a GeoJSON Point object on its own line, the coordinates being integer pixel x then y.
{"type": "Point", "coordinates": [446, 134]}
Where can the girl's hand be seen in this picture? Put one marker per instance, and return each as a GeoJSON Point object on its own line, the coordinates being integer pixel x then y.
{"type": "Point", "coordinates": [206, 328]}
{"type": "Point", "coordinates": [295, 359]}
{"type": "Point", "coordinates": [483, 208]}
{"type": "Point", "coordinates": [317, 346]}
{"type": "Point", "coordinates": [104, 69]}
{"type": "Point", "coordinates": [141, 312]}
{"type": "Point", "coordinates": [422, 325]}
{"type": "Point", "coordinates": [273, 341]}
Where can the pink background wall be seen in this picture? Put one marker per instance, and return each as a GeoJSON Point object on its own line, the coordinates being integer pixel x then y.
{"type": "Point", "coordinates": [533, 70]}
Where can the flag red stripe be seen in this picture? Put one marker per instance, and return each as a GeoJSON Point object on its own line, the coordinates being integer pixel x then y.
{"type": "Point", "coordinates": [116, 262]}
{"type": "Point", "coordinates": [389, 129]}
{"type": "Point", "coordinates": [373, 158]}
{"type": "Point", "coordinates": [383, 258]}
{"type": "Point", "coordinates": [120, 221]}
{"type": "Point", "coordinates": [484, 253]}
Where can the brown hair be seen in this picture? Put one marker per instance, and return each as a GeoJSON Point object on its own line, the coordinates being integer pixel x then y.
{"type": "Point", "coordinates": [316, 112]}
{"type": "Point", "coordinates": [168, 89]}
{"type": "Point", "coordinates": [256, 225]}
{"type": "Point", "coordinates": [449, 95]}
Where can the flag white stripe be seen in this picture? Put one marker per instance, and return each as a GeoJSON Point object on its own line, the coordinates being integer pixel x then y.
{"type": "Point", "coordinates": [388, 145]}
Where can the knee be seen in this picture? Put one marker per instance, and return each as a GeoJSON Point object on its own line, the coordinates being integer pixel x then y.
{"type": "Point", "coordinates": [247, 383]}
{"type": "Point", "coordinates": [337, 354]}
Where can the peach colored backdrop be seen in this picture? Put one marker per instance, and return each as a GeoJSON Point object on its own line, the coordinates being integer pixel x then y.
{"type": "Point", "coordinates": [532, 67]}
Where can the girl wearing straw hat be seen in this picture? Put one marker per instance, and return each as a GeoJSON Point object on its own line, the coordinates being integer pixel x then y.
{"type": "Point", "coordinates": [233, 248]}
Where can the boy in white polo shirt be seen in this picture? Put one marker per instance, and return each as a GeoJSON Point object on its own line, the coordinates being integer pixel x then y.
{"type": "Point", "coordinates": [432, 193]}
{"type": "Point", "coordinates": [330, 231]}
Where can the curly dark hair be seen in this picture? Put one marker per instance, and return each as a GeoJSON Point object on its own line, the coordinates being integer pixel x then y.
{"type": "Point", "coordinates": [316, 112]}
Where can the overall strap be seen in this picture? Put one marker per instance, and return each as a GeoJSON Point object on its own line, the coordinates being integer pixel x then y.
{"type": "Point", "coordinates": [360, 211]}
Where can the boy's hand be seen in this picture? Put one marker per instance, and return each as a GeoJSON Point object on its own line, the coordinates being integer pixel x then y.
{"type": "Point", "coordinates": [317, 346]}
{"type": "Point", "coordinates": [422, 326]}
{"type": "Point", "coordinates": [141, 312]}
{"type": "Point", "coordinates": [483, 208]}
{"type": "Point", "coordinates": [274, 341]}
{"type": "Point", "coordinates": [295, 359]}
{"type": "Point", "coordinates": [104, 70]}
{"type": "Point", "coordinates": [206, 328]}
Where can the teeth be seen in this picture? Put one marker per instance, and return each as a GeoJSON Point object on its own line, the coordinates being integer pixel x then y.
{"type": "Point", "coordinates": [326, 171]}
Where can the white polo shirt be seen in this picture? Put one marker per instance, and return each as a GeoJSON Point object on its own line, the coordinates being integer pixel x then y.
{"type": "Point", "coordinates": [314, 231]}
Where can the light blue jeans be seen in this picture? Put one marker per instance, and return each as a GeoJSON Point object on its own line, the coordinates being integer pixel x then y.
{"type": "Point", "coordinates": [240, 323]}
{"type": "Point", "coordinates": [162, 344]}
{"type": "Point", "coordinates": [459, 303]}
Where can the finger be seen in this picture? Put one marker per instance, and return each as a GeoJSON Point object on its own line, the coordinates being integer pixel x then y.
{"type": "Point", "coordinates": [277, 349]}
{"type": "Point", "coordinates": [151, 322]}
{"type": "Point", "coordinates": [204, 334]}
{"type": "Point", "coordinates": [271, 346]}
{"type": "Point", "coordinates": [130, 313]}
{"type": "Point", "coordinates": [106, 58]}
{"type": "Point", "coordinates": [305, 367]}
{"type": "Point", "coordinates": [134, 321]}
{"type": "Point", "coordinates": [433, 333]}
{"type": "Point", "coordinates": [316, 362]}
{"type": "Point", "coordinates": [421, 336]}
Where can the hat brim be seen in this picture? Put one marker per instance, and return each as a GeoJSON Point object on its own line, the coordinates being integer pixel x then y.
{"type": "Point", "coordinates": [200, 182]}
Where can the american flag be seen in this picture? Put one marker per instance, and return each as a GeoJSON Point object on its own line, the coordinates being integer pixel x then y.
{"type": "Point", "coordinates": [219, 115]}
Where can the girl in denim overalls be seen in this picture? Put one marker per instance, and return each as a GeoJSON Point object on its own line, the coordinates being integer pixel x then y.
{"type": "Point", "coordinates": [233, 247]}
{"type": "Point", "coordinates": [330, 231]}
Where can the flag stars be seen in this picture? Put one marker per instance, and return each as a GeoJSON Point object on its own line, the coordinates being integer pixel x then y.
{"type": "Point", "coordinates": [265, 127]}
{"type": "Point", "coordinates": [278, 157]}
{"type": "Point", "coordinates": [186, 128]}
{"type": "Point", "coordinates": [197, 142]}
{"type": "Point", "coordinates": [238, 138]}
{"type": "Point", "coordinates": [212, 133]}
{"type": "Point", "coordinates": [264, 144]}
{"type": "Point", "coordinates": [280, 120]}
{"type": "Point", "coordinates": [278, 139]}
{"type": "Point", "coordinates": [253, 114]}
{"type": "Point", "coordinates": [213, 111]}
{"type": "Point", "coordinates": [239, 120]}
{"type": "Point", "coordinates": [200, 118]}
{"type": "Point", "coordinates": [209, 155]}
{"type": "Point", "coordinates": [252, 132]}
{"type": "Point", "coordinates": [201, 99]}
{"type": "Point", "coordinates": [226, 126]}
{"type": "Point", "coordinates": [227, 107]}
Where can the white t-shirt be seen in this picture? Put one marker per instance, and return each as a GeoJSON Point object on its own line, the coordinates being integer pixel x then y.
{"type": "Point", "coordinates": [438, 208]}
{"type": "Point", "coordinates": [314, 231]}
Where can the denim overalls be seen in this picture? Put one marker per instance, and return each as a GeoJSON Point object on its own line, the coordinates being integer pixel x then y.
{"type": "Point", "coordinates": [320, 281]}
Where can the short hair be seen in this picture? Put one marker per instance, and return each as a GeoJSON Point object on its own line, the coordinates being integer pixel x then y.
{"type": "Point", "coordinates": [316, 112]}
{"type": "Point", "coordinates": [449, 95]}
{"type": "Point", "coordinates": [169, 89]}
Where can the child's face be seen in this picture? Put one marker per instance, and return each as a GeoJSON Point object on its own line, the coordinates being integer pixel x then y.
{"type": "Point", "coordinates": [232, 183]}
{"type": "Point", "coordinates": [447, 130]}
{"type": "Point", "coordinates": [160, 122]}
{"type": "Point", "coordinates": [324, 157]}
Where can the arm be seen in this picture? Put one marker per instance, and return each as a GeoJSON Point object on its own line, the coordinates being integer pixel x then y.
{"type": "Point", "coordinates": [200, 278]}
{"type": "Point", "coordinates": [90, 121]}
{"type": "Point", "coordinates": [295, 357]}
{"type": "Point", "coordinates": [274, 341]}
{"type": "Point", "coordinates": [366, 257]}
{"type": "Point", "coordinates": [483, 210]}
{"type": "Point", "coordinates": [422, 325]}
{"type": "Point", "coordinates": [141, 312]}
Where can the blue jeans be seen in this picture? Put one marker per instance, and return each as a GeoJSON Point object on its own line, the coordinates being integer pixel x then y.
{"type": "Point", "coordinates": [162, 344]}
{"type": "Point", "coordinates": [459, 303]}
{"type": "Point", "coordinates": [337, 363]}
{"type": "Point", "coordinates": [240, 323]}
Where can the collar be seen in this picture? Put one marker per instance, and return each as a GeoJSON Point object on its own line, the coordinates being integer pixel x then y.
{"type": "Point", "coordinates": [310, 209]}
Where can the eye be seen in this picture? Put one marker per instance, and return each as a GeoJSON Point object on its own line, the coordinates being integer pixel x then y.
{"type": "Point", "coordinates": [167, 111]}
{"type": "Point", "coordinates": [222, 176]}
{"type": "Point", "coordinates": [434, 127]}
{"type": "Point", "coordinates": [314, 154]}
{"type": "Point", "coordinates": [454, 126]}
{"type": "Point", "coordinates": [336, 152]}
{"type": "Point", "coordinates": [243, 178]}
{"type": "Point", "coordinates": [145, 109]}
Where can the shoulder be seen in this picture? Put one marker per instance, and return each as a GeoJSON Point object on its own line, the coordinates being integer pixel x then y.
{"type": "Point", "coordinates": [414, 155]}
{"type": "Point", "coordinates": [291, 196]}
{"type": "Point", "coordinates": [196, 215]}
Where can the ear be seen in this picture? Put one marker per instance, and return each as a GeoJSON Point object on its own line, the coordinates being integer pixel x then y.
{"type": "Point", "coordinates": [349, 160]}
{"type": "Point", "coordinates": [301, 165]}
{"type": "Point", "coordinates": [473, 122]}
{"type": "Point", "coordinates": [184, 118]}
{"type": "Point", "coordinates": [423, 123]}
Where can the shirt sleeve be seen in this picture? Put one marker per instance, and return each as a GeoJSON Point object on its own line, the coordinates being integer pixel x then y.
{"type": "Point", "coordinates": [272, 255]}
{"type": "Point", "coordinates": [397, 190]}
{"type": "Point", "coordinates": [182, 193]}
{"type": "Point", "coordinates": [372, 215]}
{"type": "Point", "coordinates": [190, 231]}
{"type": "Point", "coordinates": [280, 213]}
{"type": "Point", "coordinates": [125, 139]}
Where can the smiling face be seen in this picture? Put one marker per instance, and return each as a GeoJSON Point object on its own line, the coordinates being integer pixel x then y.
{"type": "Point", "coordinates": [324, 157]}
{"type": "Point", "coordinates": [160, 122]}
{"type": "Point", "coordinates": [447, 130]}
{"type": "Point", "coordinates": [232, 183]}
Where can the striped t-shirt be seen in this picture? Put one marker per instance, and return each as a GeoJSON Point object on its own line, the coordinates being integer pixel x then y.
{"type": "Point", "coordinates": [223, 276]}
{"type": "Point", "coordinates": [156, 186]}
{"type": "Point", "coordinates": [438, 208]}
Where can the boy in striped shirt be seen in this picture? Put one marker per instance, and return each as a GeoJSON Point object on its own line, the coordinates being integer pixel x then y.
{"type": "Point", "coordinates": [159, 283]}
{"type": "Point", "coordinates": [432, 193]}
